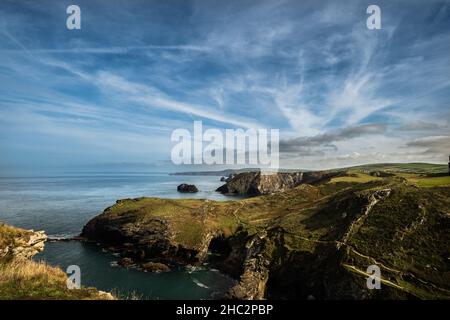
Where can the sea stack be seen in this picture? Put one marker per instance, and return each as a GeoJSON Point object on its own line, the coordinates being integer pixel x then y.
{"type": "Point", "coordinates": [187, 188]}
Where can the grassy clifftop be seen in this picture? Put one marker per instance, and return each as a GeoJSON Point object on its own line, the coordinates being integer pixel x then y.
{"type": "Point", "coordinates": [312, 240]}
{"type": "Point", "coordinates": [22, 278]}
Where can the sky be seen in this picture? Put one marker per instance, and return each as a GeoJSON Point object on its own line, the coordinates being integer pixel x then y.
{"type": "Point", "coordinates": [112, 93]}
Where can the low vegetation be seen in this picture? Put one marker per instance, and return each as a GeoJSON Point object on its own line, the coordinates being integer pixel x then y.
{"type": "Point", "coordinates": [312, 240]}
{"type": "Point", "coordinates": [9, 235]}
{"type": "Point", "coordinates": [22, 278]}
{"type": "Point", "coordinates": [27, 279]}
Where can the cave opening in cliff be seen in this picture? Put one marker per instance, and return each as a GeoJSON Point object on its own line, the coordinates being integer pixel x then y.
{"type": "Point", "coordinates": [219, 249]}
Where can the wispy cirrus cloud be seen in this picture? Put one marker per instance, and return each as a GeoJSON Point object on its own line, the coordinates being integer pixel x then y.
{"type": "Point", "coordinates": [108, 50]}
{"type": "Point", "coordinates": [335, 90]}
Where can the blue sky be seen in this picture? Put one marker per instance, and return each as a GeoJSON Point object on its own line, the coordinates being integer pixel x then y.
{"type": "Point", "coordinates": [114, 91]}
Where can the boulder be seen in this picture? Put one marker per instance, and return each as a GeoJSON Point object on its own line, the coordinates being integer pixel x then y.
{"type": "Point", "coordinates": [187, 188]}
{"type": "Point", "coordinates": [155, 267]}
{"type": "Point", "coordinates": [126, 262]}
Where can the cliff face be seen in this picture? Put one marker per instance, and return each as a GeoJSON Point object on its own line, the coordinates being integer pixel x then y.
{"type": "Point", "coordinates": [256, 183]}
{"type": "Point", "coordinates": [311, 241]}
{"type": "Point", "coordinates": [30, 247]}
{"type": "Point", "coordinates": [177, 232]}
{"type": "Point", "coordinates": [20, 244]}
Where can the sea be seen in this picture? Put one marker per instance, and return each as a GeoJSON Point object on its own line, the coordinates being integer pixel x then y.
{"type": "Point", "coordinates": [62, 204]}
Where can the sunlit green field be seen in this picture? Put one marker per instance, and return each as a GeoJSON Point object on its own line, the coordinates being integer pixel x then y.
{"type": "Point", "coordinates": [431, 181]}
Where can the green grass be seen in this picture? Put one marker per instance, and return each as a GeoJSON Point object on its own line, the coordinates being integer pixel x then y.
{"type": "Point", "coordinates": [191, 234]}
{"type": "Point", "coordinates": [407, 232]}
{"type": "Point", "coordinates": [355, 178]}
{"type": "Point", "coordinates": [418, 168]}
{"type": "Point", "coordinates": [314, 230]}
{"type": "Point", "coordinates": [429, 182]}
{"type": "Point", "coordinates": [29, 280]}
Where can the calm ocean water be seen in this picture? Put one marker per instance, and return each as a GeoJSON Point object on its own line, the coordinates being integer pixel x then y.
{"type": "Point", "coordinates": [61, 205]}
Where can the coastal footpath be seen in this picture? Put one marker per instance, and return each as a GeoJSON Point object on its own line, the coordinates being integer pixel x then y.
{"type": "Point", "coordinates": [312, 239]}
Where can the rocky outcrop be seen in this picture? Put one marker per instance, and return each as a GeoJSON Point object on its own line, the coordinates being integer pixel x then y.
{"type": "Point", "coordinates": [309, 242]}
{"type": "Point", "coordinates": [258, 183]}
{"type": "Point", "coordinates": [126, 262]}
{"type": "Point", "coordinates": [30, 247]}
{"type": "Point", "coordinates": [253, 280]}
{"type": "Point", "coordinates": [139, 242]}
{"type": "Point", "coordinates": [153, 241]}
{"type": "Point", "coordinates": [23, 245]}
{"type": "Point", "coordinates": [187, 188]}
{"type": "Point", "coordinates": [155, 267]}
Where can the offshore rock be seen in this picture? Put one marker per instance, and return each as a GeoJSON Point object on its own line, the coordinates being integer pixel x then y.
{"type": "Point", "coordinates": [187, 188]}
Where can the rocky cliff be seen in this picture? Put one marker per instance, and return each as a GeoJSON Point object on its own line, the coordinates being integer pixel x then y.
{"type": "Point", "coordinates": [176, 232]}
{"type": "Point", "coordinates": [307, 242]}
{"type": "Point", "coordinates": [257, 183]}
{"type": "Point", "coordinates": [20, 244]}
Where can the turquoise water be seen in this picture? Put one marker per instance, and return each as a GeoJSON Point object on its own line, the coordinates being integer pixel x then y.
{"type": "Point", "coordinates": [61, 205]}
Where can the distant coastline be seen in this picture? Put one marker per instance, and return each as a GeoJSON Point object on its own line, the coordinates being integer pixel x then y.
{"type": "Point", "coordinates": [423, 167]}
{"type": "Point", "coordinates": [227, 172]}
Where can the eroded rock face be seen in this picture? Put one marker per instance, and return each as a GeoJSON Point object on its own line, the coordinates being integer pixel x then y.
{"type": "Point", "coordinates": [253, 280]}
{"type": "Point", "coordinates": [149, 242]}
{"type": "Point", "coordinates": [140, 242]}
{"type": "Point", "coordinates": [32, 246]}
{"type": "Point", "coordinates": [25, 246]}
{"type": "Point", "coordinates": [187, 188]}
{"type": "Point", "coordinates": [257, 183]}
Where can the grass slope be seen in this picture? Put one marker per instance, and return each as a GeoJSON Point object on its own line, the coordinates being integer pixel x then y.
{"type": "Point", "coordinates": [331, 232]}
{"type": "Point", "coordinates": [27, 279]}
